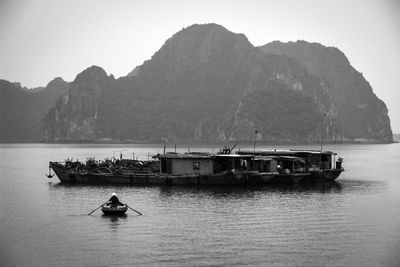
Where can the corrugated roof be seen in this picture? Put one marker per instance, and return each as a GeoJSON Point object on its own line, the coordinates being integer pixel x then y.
{"type": "Point", "coordinates": [286, 152]}
{"type": "Point", "coordinates": [184, 156]}
{"type": "Point", "coordinates": [200, 156]}
{"type": "Point", "coordinates": [232, 156]}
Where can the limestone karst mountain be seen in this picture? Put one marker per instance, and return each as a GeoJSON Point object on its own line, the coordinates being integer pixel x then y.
{"type": "Point", "coordinates": [362, 115]}
{"type": "Point", "coordinates": [22, 109]}
{"type": "Point", "coordinates": [209, 84]}
{"type": "Point", "coordinates": [204, 84]}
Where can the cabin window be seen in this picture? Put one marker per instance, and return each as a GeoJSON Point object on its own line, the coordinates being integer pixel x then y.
{"type": "Point", "coordinates": [196, 165]}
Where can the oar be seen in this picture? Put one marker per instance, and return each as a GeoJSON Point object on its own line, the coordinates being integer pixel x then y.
{"type": "Point", "coordinates": [97, 208]}
{"type": "Point", "coordinates": [134, 210]}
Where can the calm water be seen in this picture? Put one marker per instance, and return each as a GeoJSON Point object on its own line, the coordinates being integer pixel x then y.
{"type": "Point", "coordinates": [354, 222]}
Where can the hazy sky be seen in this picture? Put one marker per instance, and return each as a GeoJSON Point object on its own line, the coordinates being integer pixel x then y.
{"type": "Point", "coordinates": [43, 39]}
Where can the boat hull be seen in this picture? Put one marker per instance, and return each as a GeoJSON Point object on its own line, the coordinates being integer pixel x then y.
{"type": "Point", "coordinates": [114, 210]}
{"type": "Point", "coordinates": [290, 178]}
{"type": "Point", "coordinates": [238, 178]}
{"type": "Point", "coordinates": [326, 175]}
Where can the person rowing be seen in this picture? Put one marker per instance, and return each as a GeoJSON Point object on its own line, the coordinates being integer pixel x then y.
{"type": "Point", "coordinates": [114, 200]}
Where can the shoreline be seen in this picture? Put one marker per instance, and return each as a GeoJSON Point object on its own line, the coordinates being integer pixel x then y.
{"type": "Point", "coordinates": [230, 142]}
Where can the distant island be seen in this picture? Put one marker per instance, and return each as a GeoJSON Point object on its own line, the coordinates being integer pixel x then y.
{"type": "Point", "coordinates": [205, 84]}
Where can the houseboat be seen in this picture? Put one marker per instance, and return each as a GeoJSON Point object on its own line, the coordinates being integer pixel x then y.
{"type": "Point", "coordinates": [199, 168]}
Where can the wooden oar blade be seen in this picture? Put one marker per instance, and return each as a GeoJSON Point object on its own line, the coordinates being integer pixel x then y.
{"type": "Point", "coordinates": [96, 208]}
{"type": "Point", "coordinates": [134, 210]}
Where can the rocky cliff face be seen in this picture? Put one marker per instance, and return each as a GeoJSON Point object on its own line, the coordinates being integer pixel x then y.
{"type": "Point", "coordinates": [205, 84]}
{"type": "Point", "coordinates": [362, 115]}
{"type": "Point", "coordinates": [75, 114]}
{"type": "Point", "coordinates": [22, 109]}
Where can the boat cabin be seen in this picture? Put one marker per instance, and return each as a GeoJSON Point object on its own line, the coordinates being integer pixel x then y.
{"type": "Point", "coordinates": [265, 163]}
{"type": "Point", "coordinates": [290, 164]}
{"type": "Point", "coordinates": [202, 163]}
{"type": "Point", "coordinates": [232, 163]}
{"type": "Point", "coordinates": [310, 160]}
{"type": "Point", "coordinates": [186, 163]}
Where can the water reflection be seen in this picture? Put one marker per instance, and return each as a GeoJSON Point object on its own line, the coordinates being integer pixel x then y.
{"type": "Point", "coordinates": [307, 187]}
{"type": "Point", "coordinates": [114, 221]}
{"type": "Point", "coordinates": [363, 186]}
{"type": "Point", "coordinates": [78, 185]}
{"type": "Point", "coordinates": [321, 187]}
{"type": "Point", "coordinates": [248, 191]}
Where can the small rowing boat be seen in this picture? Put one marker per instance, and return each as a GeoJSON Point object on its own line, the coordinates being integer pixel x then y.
{"type": "Point", "coordinates": [114, 209]}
